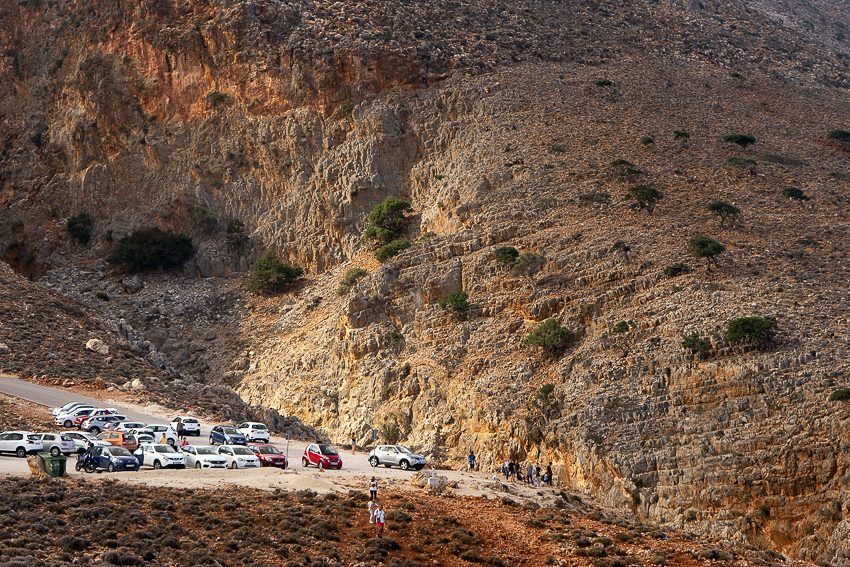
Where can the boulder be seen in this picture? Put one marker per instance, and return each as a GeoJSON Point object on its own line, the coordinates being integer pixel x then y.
{"type": "Point", "coordinates": [429, 480]}
{"type": "Point", "coordinates": [133, 284]}
{"type": "Point", "coordinates": [97, 345]}
{"type": "Point", "coordinates": [4, 349]}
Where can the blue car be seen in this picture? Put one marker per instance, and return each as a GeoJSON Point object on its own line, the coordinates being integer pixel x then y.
{"type": "Point", "coordinates": [225, 435]}
{"type": "Point", "coordinates": [114, 459]}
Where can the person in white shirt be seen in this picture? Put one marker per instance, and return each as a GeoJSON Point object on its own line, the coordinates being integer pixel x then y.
{"type": "Point", "coordinates": [373, 489]}
{"type": "Point", "coordinates": [371, 507]}
{"type": "Point", "coordinates": [379, 520]}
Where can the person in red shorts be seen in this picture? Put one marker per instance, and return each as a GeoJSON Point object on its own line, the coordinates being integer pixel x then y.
{"type": "Point", "coordinates": [379, 520]}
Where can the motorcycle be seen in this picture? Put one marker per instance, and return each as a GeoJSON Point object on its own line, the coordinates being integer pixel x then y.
{"type": "Point", "coordinates": [86, 462]}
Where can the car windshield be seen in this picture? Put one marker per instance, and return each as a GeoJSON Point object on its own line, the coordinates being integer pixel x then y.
{"type": "Point", "coordinates": [164, 449]}
{"type": "Point", "coordinates": [403, 449]}
{"type": "Point", "coordinates": [258, 426]}
{"type": "Point", "coordinates": [190, 420]}
{"type": "Point", "coordinates": [269, 451]}
{"type": "Point", "coordinates": [134, 425]}
{"type": "Point", "coordinates": [120, 452]}
{"type": "Point", "coordinates": [327, 450]}
{"type": "Point", "coordinates": [205, 451]}
{"type": "Point", "coordinates": [242, 451]}
{"type": "Point", "coordinates": [230, 430]}
{"type": "Point", "coordinates": [146, 439]}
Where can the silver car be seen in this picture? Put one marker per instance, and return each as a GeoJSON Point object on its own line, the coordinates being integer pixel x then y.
{"type": "Point", "coordinates": [57, 443]}
{"type": "Point", "coordinates": [396, 455]}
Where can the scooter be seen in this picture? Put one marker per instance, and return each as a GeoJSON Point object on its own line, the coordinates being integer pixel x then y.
{"type": "Point", "coordinates": [86, 462]}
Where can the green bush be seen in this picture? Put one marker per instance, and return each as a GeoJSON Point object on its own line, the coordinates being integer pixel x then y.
{"type": "Point", "coordinates": [723, 210]}
{"type": "Point", "coordinates": [751, 330]}
{"type": "Point", "coordinates": [840, 176]}
{"type": "Point", "coordinates": [79, 227]}
{"type": "Point", "coordinates": [36, 139]}
{"type": "Point", "coordinates": [621, 327]}
{"type": "Point", "coordinates": [395, 337]}
{"type": "Point", "coordinates": [269, 274]}
{"type": "Point", "coordinates": [352, 275]}
{"type": "Point", "coordinates": [840, 394]}
{"type": "Point", "coordinates": [201, 219]}
{"type": "Point", "coordinates": [457, 300]}
{"type": "Point", "coordinates": [395, 247]}
{"type": "Point", "coordinates": [216, 98]}
{"type": "Point", "coordinates": [700, 246]}
{"type": "Point", "coordinates": [645, 195]}
{"type": "Point", "coordinates": [840, 137]}
{"type": "Point", "coordinates": [694, 343]}
{"type": "Point", "coordinates": [741, 163]}
{"type": "Point", "coordinates": [625, 168]}
{"type": "Point", "coordinates": [594, 199]}
{"type": "Point", "coordinates": [528, 264]}
{"type": "Point", "coordinates": [603, 83]}
{"type": "Point", "coordinates": [386, 221]}
{"type": "Point", "coordinates": [742, 140]}
{"type": "Point", "coordinates": [236, 232]}
{"type": "Point", "coordinates": [549, 335]}
{"type": "Point", "coordinates": [681, 135]}
{"type": "Point", "coordinates": [101, 295]}
{"type": "Point", "coordinates": [794, 193]}
{"type": "Point", "coordinates": [646, 140]}
{"type": "Point", "coordinates": [506, 254]}
{"type": "Point", "coordinates": [677, 269]}
{"type": "Point", "coordinates": [151, 248]}
{"type": "Point", "coordinates": [343, 289]}
{"type": "Point", "coordinates": [620, 245]}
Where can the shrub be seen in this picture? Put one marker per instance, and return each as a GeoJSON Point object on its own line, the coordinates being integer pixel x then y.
{"type": "Point", "coordinates": [794, 193]}
{"type": "Point", "coordinates": [751, 330]}
{"type": "Point", "coordinates": [390, 432]}
{"type": "Point", "coordinates": [840, 176]}
{"type": "Point", "coordinates": [840, 137]}
{"type": "Point", "coordinates": [603, 83]}
{"type": "Point", "coordinates": [742, 163]}
{"type": "Point", "coordinates": [625, 168]}
{"type": "Point", "coordinates": [700, 246]}
{"type": "Point", "coordinates": [506, 254]}
{"type": "Point", "coordinates": [840, 395]}
{"type": "Point", "coordinates": [646, 140]}
{"type": "Point", "coordinates": [621, 327]}
{"type": "Point", "coordinates": [36, 139]}
{"type": "Point", "coordinates": [681, 135]}
{"type": "Point", "coordinates": [102, 295]}
{"type": "Point", "coordinates": [151, 248]}
{"type": "Point", "coordinates": [343, 289]}
{"type": "Point", "coordinates": [387, 251]}
{"type": "Point", "coordinates": [236, 232]}
{"type": "Point", "coordinates": [201, 219]}
{"type": "Point", "coordinates": [742, 140]}
{"type": "Point", "coordinates": [216, 98]}
{"type": "Point", "coordinates": [528, 264]}
{"type": "Point", "coordinates": [694, 342]}
{"type": "Point", "coordinates": [723, 210]}
{"type": "Point", "coordinates": [79, 227]}
{"type": "Point", "coordinates": [395, 337]}
{"type": "Point", "coordinates": [457, 300]}
{"type": "Point", "coordinates": [386, 220]}
{"type": "Point", "coordinates": [549, 335]}
{"type": "Point", "coordinates": [594, 199]}
{"type": "Point", "coordinates": [269, 274]}
{"type": "Point", "coordinates": [352, 275]}
{"type": "Point", "coordinates": [677, 269]}
{"type": "Point", "coordinates": [645, 195]}
{"type": "Point", "coordinates": [622, 247]}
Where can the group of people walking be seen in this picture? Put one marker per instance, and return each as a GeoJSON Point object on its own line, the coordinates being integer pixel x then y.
{"type": "Point", "coordinates": [531, 474]}
{"type": "Point", "coordinates": [376, 511]}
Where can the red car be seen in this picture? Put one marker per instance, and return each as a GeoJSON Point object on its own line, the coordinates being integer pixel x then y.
{"type": "Point", "coordinates": [269, 455]}
{"type": "Point", "coordinates": [321, 455]}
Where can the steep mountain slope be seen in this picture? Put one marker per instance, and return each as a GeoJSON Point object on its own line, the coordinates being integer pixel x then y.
{"type": "Point", "coordinates": [499, 124]}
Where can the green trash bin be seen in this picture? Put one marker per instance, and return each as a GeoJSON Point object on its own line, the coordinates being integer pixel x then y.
{"type": "Point", "coordinates": [55, 466]}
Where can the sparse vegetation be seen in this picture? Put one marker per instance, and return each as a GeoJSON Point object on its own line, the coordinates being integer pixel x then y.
{"type": "Point", "coordinates": [549, 335]}
{"type": "Point", "coordinates": [36, 139]}
{"type": "Point", "coordinates": [646, 140]}
{"type": "Point", "coordinates": [603, 83]}
{"type": "Point", "coordinates": [216, 98]}
{"type": "Point", "coordinates": [269, 274]}
{"type": "Point", "coordinates": [394, 248]}
{"type": "Point", "coordinates": [677, 269]}
{"type": "Point", "coordinates": [386, 221]}
{"type": "Point", "coordinates": [751, 330]}
{"type": "Point", "coordinates": [742, 140]}
{"type": "Point", "coordinates": [694, 342]}
{"type": "Point", "coordinates": [723, 210]}
{"type": "Point", "coordinates": [351, 277]}
{"type": "Point", "coordinates": [152, 248]}
{"type": "Point", "coordinates": [623, 248]}
{"type": "Point", "coordinates": [681, 135]}
{"type": "Point", "coordinates": [794, 193]}
{"type": "Point", "coordinates": [202, 220]}
{"type": "Point", "coordinates": [594, 199]}
{"type": "Point", "coordinates": [101, 295]}
{"type": "Point", "coordinates": [528, 264]}
{"type": "Point", "coordinates": [840, 138]}
{"type": "Point", "coordinates": [742, 163]}
{"type": "Point", "coordinates": [506, 255]}
{"type": "Point", "coordinates": [236, 233]}
{"type": "Point", "coordinates": [645, 195]}
{"type": "Point", "coordinates": [840, 395]}
{"type": "Point", "coordinates": [456, 301]}
{"type": "Point", "coordinates": [625, 168]}
{"type": "Point", "coordinates": [79, 227]}
{"type": "Point", "coordinates": [700, 246]}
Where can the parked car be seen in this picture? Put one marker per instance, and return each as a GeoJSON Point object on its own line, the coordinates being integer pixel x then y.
{"type": "Point", "coordinates": [226, 435]}
{"type": "Point", "coordinates": [191, 426]}
{"type": "Point", "coordinates": [145, 438]}
{"type": "Point", "coordinates": [159, 456]}
{"type": "Point", "coordinates": [114, 458]}
{"type": "Point", "coordinates": [82, 440]}
{"type": "Point", "coordinates": [203, 457]}
{"type": "Point", "coordinates": [396, 455]}
{"type": "Point", "coordinates": [121, 439]}
{"type": "Point", "coordinates": [170, 434]}
{"type": "Point", "coordinates": [20, 443]}
{"type": "Point", "coordinates": [239, 457]}
{"type": "Point", "coordinates": [321, 455]}
{"type": "Point", "coordinates": [128, 425]}
{"type": "Point", "coordinates": [70, 406]}
{"type": "Point", "coordinates": [269, 455]}
{"type": "Point", "coordinates": [97, 412]}
{"type": "Point", "coordinates": [254, 431]}
{"type": "Point", "coordinates": [104, 422]}
{"type": "Point", "coordinates": [69, 418]}
{"type": "Point", "coordinates": [57, 443]}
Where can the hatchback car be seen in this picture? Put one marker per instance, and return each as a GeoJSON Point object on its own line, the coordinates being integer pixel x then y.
{"type": "Point", "coordinates": [143, 438]}
{"type": "Point", "coordinates": [160, 456]}
{"type": "Point", "coordinates": [226, 435]}
{"type": "Point", "coordinates": [239, 457]}
{"type": "Point", "coordinates": [69, 419]}
{"type": "Point", "coordinates": [254, 432]}
{"type": "Point", "coordinates": [396, 455]}
{"type": "Point", "coordinates": [203, 457]}
{"type": "Point", "coordinates": [70, 406]}
{"type": "Point", "coordinates": [269, 455]}
{"type": "Point", "coordinates": [167, 430]}
{"type": "Point", "coordinates": [120, 439]}
{"type": "Point", "coordinates": [115, 459]}
{"type": "Point", "coordinates": [128, 425]}
{"type": "Point", "coordinates": [97, 412]}
{"type": "Point", "coordinates": [20, 443]}
{"type": "Point", "coordinates": [57, 443]}
{"type": "Point", "coordinates": [321, 455]}
{"type": "Point", "coordinates": [82, 440]}
{"type": "Point", "coordinates": [104, 422]}
{"type": "Point", "coordinates": [191, 426]}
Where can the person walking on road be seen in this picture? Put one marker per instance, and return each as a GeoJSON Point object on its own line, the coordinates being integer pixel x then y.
{"type": "Point", "coordinates": [179, 428]}
{"type": "Point", "coordinates": [379, 521]}
{"type": "Point", "coordinates": [529, 475]}
{"type": "Point", "coordinates": [505, 470]}
{"type": "Point", "coordinates": [538, 470]}
{"type": "Point", "coordinates": [549, 474]}
{"type": "Point", "coordinates": [511, 471]}
{"type": "Point", "coordinates": [353, 443]}
{"type": "Point", "coordinates": [373, 489]}
{"type": "Point", "coordinates": [471, 459]}
{"type": "Point", "coordinates": [371, 507]}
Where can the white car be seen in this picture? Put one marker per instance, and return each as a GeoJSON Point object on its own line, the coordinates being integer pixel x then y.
{"type": "Point", "coordinates": [203, 457]}
{"type": "Point", "coordinates": [254, 431]}
{"type": "Point", "coordinates": [57, 443]}
{"type": "Point", "coordinates": [239, 457]}
{"type": "Point", "coordinates": [159, 456]}
{"type": "Point", "coordinates": [21, 443]}
{"type": "Point", "coordinates": [70, 406]}
{"type": "Point", "coordinates": [102, 423]}
{"type": "Point", "coordinates": [128, 425]}
{"type": "Point", "coordinates": [191, 426]}
{"type": "Point", "coordinates": [82, 439]}
{"type": "Point", "coordinates": [170, 434]}
{"type": "Point", "coordinates": [69, 418]}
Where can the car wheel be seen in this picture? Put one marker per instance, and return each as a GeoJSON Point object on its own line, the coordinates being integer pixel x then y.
{"type": "Point", "coordinates": [111, 467]}
{"type": "Point", "coordinates": [321, 466]}
{"type": "Point", "coordinates": [21, 452]}
{"type": "Point", "coordinates": [95, 430]}
{"type": "Point", "coordinates": [172, 442]}
{"type": "Point", "coordinates": [304, 462]}
{"type": "Point", "coordinates": [211, 440]}
{"type": "Point", "coordinates": [233, 465]}
{"type": "Point", "coordinates": [157, 465]}
{"type": "Point", "coordinates": [373, 461]}
{"type": "Point", "coordinates": [284, 465]}
{"type": "Point", "coordinates": [55, 451]}
{"type": "Point", "coordinates": [68, 423]}
{"type": "Point", "coordinates": [404, 465]}
{"type": "Point", "coordinates": [197, 464]}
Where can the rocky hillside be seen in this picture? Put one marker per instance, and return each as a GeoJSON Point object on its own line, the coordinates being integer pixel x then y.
{"type": "Point", "coordinates": [499, 124]}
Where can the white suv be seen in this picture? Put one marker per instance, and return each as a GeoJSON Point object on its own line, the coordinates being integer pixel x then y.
{"type": "Point", "coordinates": [254, 431]}
{"type": "Point", "coordinates": [20, 443]}
{"type": "Point", "coordinates": [191, 426]}
{"type": "Point", "coordinates": [396, 455]}
{"type": "Point", "coordinates": [167, 430]}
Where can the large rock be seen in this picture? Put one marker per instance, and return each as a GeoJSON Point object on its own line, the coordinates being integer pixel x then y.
{"type": "Point", "coordinates": [133, 283]}
{"type": "Point", "coordinates": [96, 345]}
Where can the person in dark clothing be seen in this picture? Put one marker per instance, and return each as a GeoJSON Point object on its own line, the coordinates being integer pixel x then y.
{"type": "Point", "coordinates": [179, 428]}
{"type": "Point", "coordinates": [471, 459]}
{"type": "Point", "coordinates": [511, 470]}
{"type": "Point", "coordinates": [538, 470]}
{"type": "Point", "coordinates": [549, 474]}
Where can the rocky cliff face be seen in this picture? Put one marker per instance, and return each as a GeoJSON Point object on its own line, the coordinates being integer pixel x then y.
{"type": "Point", "coordinates": [498, 124]}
